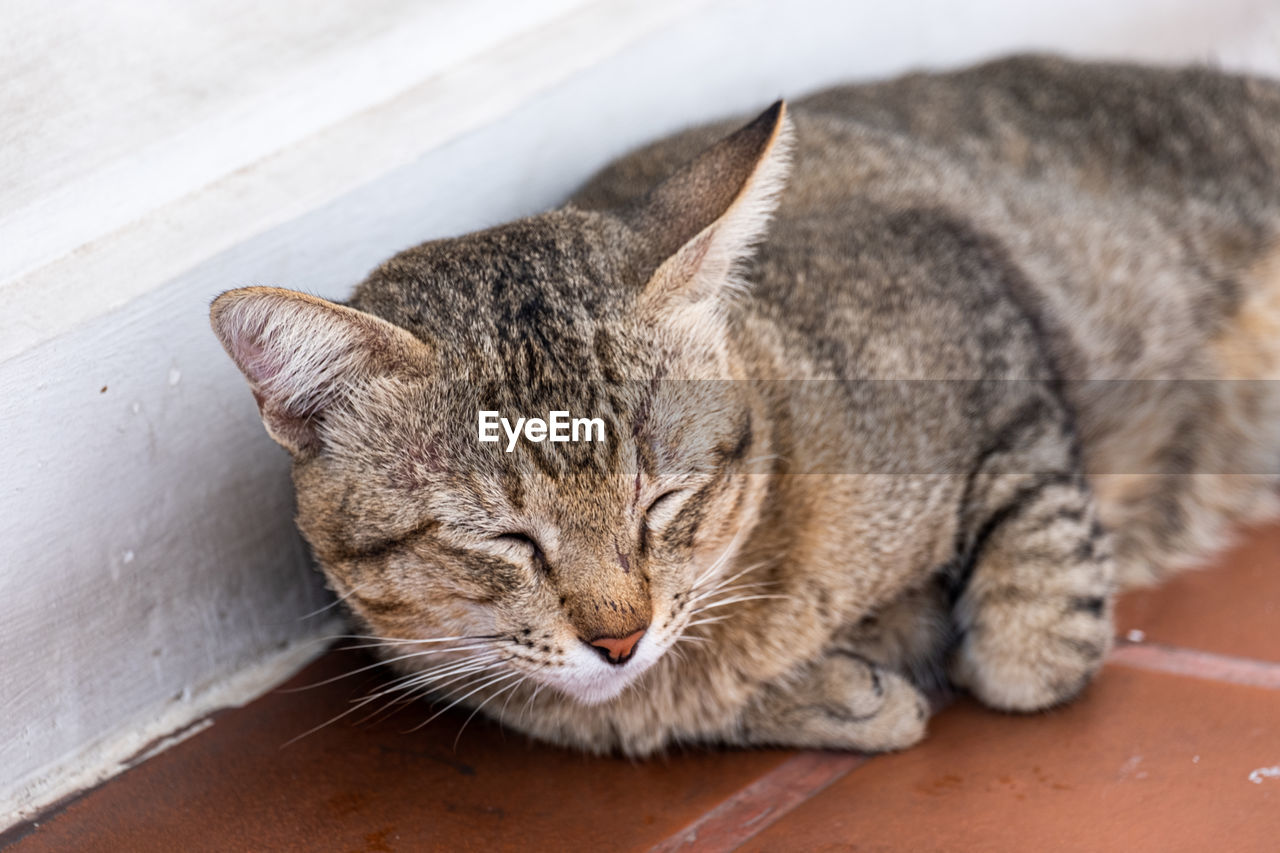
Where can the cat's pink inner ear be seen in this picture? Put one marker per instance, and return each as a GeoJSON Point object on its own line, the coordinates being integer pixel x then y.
{"type": "Point", "coordinates": [259, 328]}
{"type": "Point", "coordinates": [301, 354]}
{"type": "Point", "coordinates": [246, 347]}
{"type": "Point", "coordinates": [704, 220]}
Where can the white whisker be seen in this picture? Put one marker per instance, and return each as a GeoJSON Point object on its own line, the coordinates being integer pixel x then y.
{"type": "Point", "coordinates": [728, 580]}
{"type": "Point", "coordinates": [495, 680]}
{"type": "Point", "coordinates": [737, 587]}
{"type": "Point", "coordinates": [338, 600]}
{"type": "Point", "coordinates": [737, 599]}
{"type": "Point", "coordinates": [528, 703]}
{"type": "Point", "coordinates": [409, 689]}
{"type": "Point", "coordinates": [395, 641]}
{"type": "Point", "coordinates": [477, 708]}
{"type": "Point", "coordinates": [724, 555]}
{"type": "Point", "coordinates": [443, 690]}
{"type": "Point", "coordinates": [431, 651]}
{"type": "Point", "coordinates": [503, 710]}
{"type": "Point", "coordinates": [689, 638]}
{"type": "Point", "coordinates": [426, 677]}
{"type": "Point", "coordinates": [375, 665]}
{"type": "Point", "coordinates": [326, 723]}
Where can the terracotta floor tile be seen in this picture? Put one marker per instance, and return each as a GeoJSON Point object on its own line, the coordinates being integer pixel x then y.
{"type": "Point", "coordinates": [1231, 608]}
{"type": "Point", "coordinates": [374, 788]}
{"type": "Point", "coordinates": [1144, 762]}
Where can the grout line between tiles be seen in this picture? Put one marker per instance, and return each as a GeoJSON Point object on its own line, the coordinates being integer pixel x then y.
{"type": "Point", "coordinates": [1155, 657]}
{"type": "Point", "coordinates": [762, 803]}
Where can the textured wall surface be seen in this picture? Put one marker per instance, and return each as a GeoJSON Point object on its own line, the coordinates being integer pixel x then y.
{"type": "Point", "coordinates": [156, 154]}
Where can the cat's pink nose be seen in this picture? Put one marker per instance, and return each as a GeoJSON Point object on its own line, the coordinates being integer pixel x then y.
{"type": "Point", "coordinates": [617, 650]}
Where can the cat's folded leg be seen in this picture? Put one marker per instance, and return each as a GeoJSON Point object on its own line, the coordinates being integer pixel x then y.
{"type": "Point", "coordinates": [840, 701]}
{"type": "Point", "coordinates": [1034, 617]}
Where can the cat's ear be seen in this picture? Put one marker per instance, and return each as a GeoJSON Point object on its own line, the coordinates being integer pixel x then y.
{"type": "Point", "coordinates": [702, 222]}
{"type": "Point", "coordinates": [304, 355]}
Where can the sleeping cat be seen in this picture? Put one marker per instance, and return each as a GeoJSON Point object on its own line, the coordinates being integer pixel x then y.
{"type": "Point", "coordinates": [899, 385]}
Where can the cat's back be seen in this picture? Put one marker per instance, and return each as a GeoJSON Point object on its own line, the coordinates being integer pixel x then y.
{"type": "Point", "coordinates": [1178, 130]}
{"type": "Point", "coordinates": [1189, 131]}
{"type": "Point", "coordinates": [1126, 198]}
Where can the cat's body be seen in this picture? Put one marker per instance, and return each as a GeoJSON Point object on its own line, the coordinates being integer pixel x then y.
{"type": "Point", "coordinates": [876, 462]}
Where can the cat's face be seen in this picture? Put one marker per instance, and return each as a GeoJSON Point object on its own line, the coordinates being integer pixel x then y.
{"type": "Point", "coordinates": [541, 561]}
{"type": "Point", "coordinates": [575, 565]}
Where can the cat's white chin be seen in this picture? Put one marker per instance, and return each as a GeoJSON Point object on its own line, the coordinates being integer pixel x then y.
{"type": "Point", "coordinates": [587, 679]}
{"type": "Point", "coordinates": [597, 693]}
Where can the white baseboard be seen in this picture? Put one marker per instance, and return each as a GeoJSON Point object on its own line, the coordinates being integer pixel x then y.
{"type": "Point", "coordinates": [158, 729]}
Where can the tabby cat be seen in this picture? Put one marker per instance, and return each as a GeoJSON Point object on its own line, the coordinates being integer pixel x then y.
{"type": "Point", "coordinates": [901, 384]}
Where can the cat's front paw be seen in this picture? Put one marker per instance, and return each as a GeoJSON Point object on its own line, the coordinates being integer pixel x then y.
{"type": "Point", "coordinates": [841, 701]}
{"type": "Point", "coordinates": [1013, 662]}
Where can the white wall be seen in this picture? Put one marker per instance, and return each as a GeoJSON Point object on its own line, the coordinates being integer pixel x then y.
{"type": "Point", "coordinates": [154, 154]}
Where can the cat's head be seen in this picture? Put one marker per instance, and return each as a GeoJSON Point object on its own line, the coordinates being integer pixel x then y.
{"type": "Point", "coordinates": [577, 564]}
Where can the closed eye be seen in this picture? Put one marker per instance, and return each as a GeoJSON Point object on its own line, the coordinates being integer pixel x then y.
{"type": "Point", "coordinates": [522, 543]}
{"type": "Point", "coordinates": [663, 508]}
